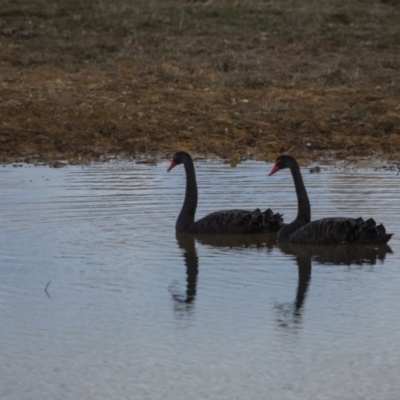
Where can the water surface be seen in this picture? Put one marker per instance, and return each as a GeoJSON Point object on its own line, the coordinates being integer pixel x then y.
{"type": "Point", "coordinates": [133, 310]}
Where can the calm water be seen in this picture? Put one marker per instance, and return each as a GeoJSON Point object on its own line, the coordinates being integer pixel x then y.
{"type": "Point", "coordinates": [134, 312]}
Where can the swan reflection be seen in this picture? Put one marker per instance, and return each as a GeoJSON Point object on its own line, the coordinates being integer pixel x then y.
{"type": "Point", "coordinates": [259, 241]}
{"type": "Point", "coordinates": [305, 255]}
{"type": "Point", "coordinates": [338, 254]}
{"type": "Point", "coordinates": [288, 315]}
{"type": "Point", "coordinates": [186, 242]}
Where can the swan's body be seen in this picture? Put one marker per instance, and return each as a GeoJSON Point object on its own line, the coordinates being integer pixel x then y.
{"type": "Point", "coordinates": [225, 221]}
{"type": "Point", "coordinates": [326, 230]}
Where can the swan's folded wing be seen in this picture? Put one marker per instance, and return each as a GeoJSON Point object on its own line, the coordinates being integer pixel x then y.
{"type": "Point", "coordinates": [341, 231]}
{"type": "Point", "coordinates": [239, 222]}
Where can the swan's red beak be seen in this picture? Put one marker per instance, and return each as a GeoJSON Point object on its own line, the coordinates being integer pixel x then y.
{"type": "Point", "coordinates": [172, 165]}
{"type": "Point", "coordinates": [274, 169]}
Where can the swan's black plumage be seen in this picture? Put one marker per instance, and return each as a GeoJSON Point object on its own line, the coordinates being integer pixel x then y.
{"type": "Point", "coordinates": [326, 230]}
{"type": "Point", "coordinates": [225, 221]}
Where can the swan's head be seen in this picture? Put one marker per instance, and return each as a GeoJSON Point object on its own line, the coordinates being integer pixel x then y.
{"type": "Point", "coordinates": [178, 158]}
{"type": "Point", "coordinates": [282, 162]}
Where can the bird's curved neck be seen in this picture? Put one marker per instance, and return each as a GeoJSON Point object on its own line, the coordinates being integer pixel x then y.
{"type": "Point", "coordinates": [303, 205]}
{"type": "Point", "coordinates": [188, 211]}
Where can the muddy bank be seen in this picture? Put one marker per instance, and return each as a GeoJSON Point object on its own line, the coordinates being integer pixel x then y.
{"type": "Point", "coordinates": [86, 114]}
{"type": "Point", "coordinates": [217, 79]}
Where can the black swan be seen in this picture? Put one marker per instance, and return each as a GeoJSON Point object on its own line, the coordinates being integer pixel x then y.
{"type": "Point", "coordinates": [227, 221]}
{"type": "Point", "coordinates": [326, 230]}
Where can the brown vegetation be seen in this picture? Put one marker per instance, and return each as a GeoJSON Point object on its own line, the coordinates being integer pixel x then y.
{"type": "Point", "coordinates": [87, 80]}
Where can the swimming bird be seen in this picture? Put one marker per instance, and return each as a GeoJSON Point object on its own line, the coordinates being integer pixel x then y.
{"type": "Point", "coordinates": [225, 221]}
{"type": "Point", "coordinates": [326, 230]}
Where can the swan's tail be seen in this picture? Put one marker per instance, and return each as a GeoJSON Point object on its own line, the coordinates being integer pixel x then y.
{"type": "Point", "coordinates": [272, 221]}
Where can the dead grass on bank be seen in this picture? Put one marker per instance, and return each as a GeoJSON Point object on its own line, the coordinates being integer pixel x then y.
{"type": "Point", "coordinates": [236, 79]}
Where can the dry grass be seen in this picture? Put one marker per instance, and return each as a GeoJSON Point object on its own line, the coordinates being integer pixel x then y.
{"type": "Point", "coordinates": [237, 79]}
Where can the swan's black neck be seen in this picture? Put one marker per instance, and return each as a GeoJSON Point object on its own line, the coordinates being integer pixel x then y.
{"type": "Point", "coordinates": [303, 204]}
{"type": "Point", "coordinates": [186, 216]}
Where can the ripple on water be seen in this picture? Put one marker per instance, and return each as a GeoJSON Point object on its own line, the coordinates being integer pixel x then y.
{"type": "Point", "coordinates": [133, 308]}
